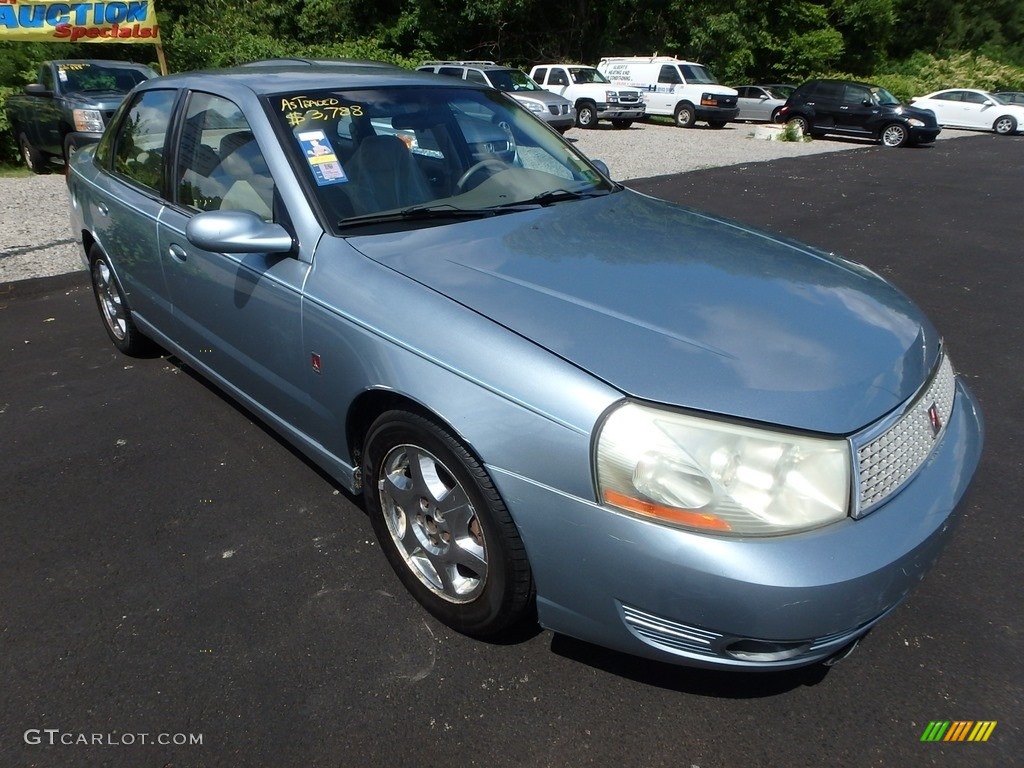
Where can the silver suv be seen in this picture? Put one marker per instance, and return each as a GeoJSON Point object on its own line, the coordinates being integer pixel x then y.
{"type": "Point", "coordinates": [555, 110]}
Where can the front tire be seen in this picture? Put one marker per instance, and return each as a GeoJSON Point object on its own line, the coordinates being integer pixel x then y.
{"type": "Point", "coordinates": [586, 115]}
{"type": "Point", "coordinates": [113, 307]}
{"type": "Point", "coordinates": [685, 115]}
{"type": "Point", "coordinates": [621, 125]}
{"type": "Point", "coordinates": [894, 135]}
{"type": "Point", "coordinates": [444, 528]}
{"type": "Point", "coordinates": [1005, 125]}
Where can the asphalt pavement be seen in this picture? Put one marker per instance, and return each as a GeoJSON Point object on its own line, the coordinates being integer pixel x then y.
{"type": "Point", "coordinates": [172, 572]}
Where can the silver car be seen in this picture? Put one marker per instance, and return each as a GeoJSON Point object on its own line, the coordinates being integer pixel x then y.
{"type": "Point", "coordinates": [560, 401]}
{"type": "Point", "coordinates": [759, 102]}
{"type": "Point", "coordinates": [557, 111]}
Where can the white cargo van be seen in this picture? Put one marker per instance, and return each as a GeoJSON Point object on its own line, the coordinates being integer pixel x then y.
{"type": "Point", "coordinates": [685, 90]}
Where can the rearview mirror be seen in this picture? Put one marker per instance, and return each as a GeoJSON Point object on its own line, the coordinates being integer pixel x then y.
{"type": "Point", "coordinates": [237, 232]}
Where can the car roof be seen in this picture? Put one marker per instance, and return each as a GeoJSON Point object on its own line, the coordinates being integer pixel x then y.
{"type": "Point", "coordinates": [272, 77]}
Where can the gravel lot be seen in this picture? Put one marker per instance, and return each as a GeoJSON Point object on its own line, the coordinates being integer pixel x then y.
{"type": "Point", "coordinates": [35, 240]}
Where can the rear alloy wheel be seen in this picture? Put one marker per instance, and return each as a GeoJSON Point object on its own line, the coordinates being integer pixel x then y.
{"type": "Point", "coordinates": [801, 123]}
{"type": "Point", "coordinates": [894, 135]}
{"type": "Point", "coordinates": [34, 159]}
{"type": "Point", "coordinates": [443, 526]}
{"type": "Point", "coordinates": [586, 115]}
{"type": "Point", "coordinates": [117, 316]}
{"type": "Point", "coordinates": [684, 115]}
{"type": "Point", "coordinates": [1005, 125]}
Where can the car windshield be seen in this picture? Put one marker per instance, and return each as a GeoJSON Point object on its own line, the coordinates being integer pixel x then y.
{"type": "Point", "coordinates": [82, 77]}
{"type": "Point", "coordinates": [418, 154]}
{"type": "Point", "coordinates": [883, 98]}
{"type": "Point", "coordinates": [780, 91]}
{"type": "Point", "coordinates": [512, 80]}
{"type": "Point", "coordinates": [587, 75]}
{"type": "Point", "coordinates": [996, 99]}
{"type": "Point", "coordinates": [694, 73]}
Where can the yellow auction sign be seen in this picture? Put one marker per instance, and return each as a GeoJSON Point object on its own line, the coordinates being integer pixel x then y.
{"type": "Point", "coordinates": [97, 22]}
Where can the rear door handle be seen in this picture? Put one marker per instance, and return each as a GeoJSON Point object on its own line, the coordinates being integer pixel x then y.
{"type": "Point", "coordinates": [102, 208]}
{"type": "Point", "coordinates": [177, 253]}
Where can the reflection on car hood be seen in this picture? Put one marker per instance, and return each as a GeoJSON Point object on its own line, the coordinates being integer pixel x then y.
{"type": "Point", "coordinates": [673, 306]}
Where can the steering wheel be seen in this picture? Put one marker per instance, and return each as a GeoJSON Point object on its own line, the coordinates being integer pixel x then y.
{"type": "Point", "coordinates": [488, 162]}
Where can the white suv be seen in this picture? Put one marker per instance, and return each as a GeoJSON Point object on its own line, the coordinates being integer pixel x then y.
{"type": "Point", "coordinates": [594, 96]}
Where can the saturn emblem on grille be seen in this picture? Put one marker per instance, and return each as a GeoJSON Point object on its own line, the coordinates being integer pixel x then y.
{"type": "Point", "coordinates": [935, 419]}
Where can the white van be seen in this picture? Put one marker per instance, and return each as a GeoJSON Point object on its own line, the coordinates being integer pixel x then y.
{"type": "Point", "coordinates": [683, 89]}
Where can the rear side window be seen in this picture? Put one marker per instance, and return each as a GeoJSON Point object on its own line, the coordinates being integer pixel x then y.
{"type": "Point", "coordinates": [138, 147]}
{"type": "Point", "coordinates": [856, 94]}
{"type": "Point", "coordinates": [669, 75]}
{"type": "Point", "coordinates": [476, 76]}
{"type": "Point", "coordinates": [451, 71]}
{"type": "Point", "coordinates": [829, 91]}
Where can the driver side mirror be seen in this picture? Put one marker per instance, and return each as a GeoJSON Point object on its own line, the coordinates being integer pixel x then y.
{"type": "Point", "coordinates": [37, 89]}
{"type": "Point", "coordinates": [237, 232]}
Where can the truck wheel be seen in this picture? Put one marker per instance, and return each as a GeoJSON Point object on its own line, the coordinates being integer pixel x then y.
{"type": "Point", "coordinates": [685, 115]}
{"type": "Point", "coordinates": [33, 158]}
{"type": "Point", "coordinates": [70, 147]}
{"type": "Point", "coordinates": [586, 114]}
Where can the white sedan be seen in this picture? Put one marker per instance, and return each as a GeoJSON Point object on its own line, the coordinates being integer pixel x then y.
{"type": "Point", "coordinates": [971, 108]}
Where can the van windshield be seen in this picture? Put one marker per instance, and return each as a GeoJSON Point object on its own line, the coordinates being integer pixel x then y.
{"type": "Point", "coordinates": [695, 73]}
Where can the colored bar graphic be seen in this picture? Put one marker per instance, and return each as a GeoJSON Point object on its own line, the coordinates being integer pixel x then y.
{"type": "Point", "coordinates": [958, 730]}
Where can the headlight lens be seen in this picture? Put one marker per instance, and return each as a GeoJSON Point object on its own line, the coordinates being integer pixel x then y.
{"type": "Point", "coordinates": [88, 120]}
{"type": "Point", "coordinates": [611, 96]}
{"type": "Point", "coordinates": [717, 477]}
{"type": "Point", "coordinates": [533, 106]}
{"type": "Point", "coordinates": [916, 123]}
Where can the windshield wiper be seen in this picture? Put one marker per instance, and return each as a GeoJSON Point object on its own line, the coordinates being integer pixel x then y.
{"type": "Point", "coordinates": [557, 196]}
{"type": "Point", "coordinates": [417, 213]}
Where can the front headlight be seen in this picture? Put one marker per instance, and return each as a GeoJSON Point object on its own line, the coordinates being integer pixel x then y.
{"type": "Point", "coordinates": [916, 123]}
{"type": "Point", "coordinates": [717, 477]}
{"type": "Point", "coordinates": [533, 106]}
{"type": "Point", "coordinates": [88, 120]}
{"type": "Point", "coordinates": [611, 96]}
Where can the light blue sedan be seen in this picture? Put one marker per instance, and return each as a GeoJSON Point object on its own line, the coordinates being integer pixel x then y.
{"type": "Point", "coordinates": [562, 401]}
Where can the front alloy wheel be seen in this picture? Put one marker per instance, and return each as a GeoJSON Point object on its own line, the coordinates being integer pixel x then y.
{"type": "Point", "coordinates": [1004, 125]}
{"type": "Point", "coordinates": [443, 526]}
{"type": "Point", "coordinates": [894, 135]}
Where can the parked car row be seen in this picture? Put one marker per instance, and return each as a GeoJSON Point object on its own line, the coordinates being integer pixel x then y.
{"type": "Point", "coordinates": [549, 417]}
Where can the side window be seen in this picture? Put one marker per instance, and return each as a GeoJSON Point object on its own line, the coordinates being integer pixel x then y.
{"type": "Point", "coordinates": [829, 92]}
{"type": "Point", "coordinates": [558, 77]}
{"type": "Point", "coordinates": [451, 71]}
{"type": "Point", "coordinates": [974, 98]}
{"type": "Point", "coordinates": [745, 93]}
{"type": "Point", "coordinates": [475, 76]}
{"type": "Point", "coordinates": [220, 165]}
{"type": "Point", "coordinates": [540, 74]}
{"type": "Point", "coordinates": [951, 96]}
{"type": "Point", "coordinates": [46, 77]}
{"type": "Point", "coordinates": [855, 95]}
{"type": "Point", "coordinates": [669, 75]}
{"type": "Point", "coordinates": [139, 141]}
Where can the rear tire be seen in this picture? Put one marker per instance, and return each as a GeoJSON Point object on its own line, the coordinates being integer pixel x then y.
{"type": "Point", "coordinates": [802, 123]}
{"type": "Point", "coordinates": [35, 160]}
{"type": "Point", "coordinates": [113, 307]}
{"type": "Point", "coordinates": [1005, 125]}
{"type": "Point", "coordinates": [444, 528]}
{"type": "Point", "coordinates": [586, 114]}
{"type": "Point", "coordinates": [717, 123]}
{"type": "Point", "coordinates": [776, 117]}
{"type": "Point", "coordinates": [621, 125]}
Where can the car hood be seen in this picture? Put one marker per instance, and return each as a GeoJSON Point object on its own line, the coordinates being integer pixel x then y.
{"type": "Point", "coordinates": [670, 305]}
{"type": "Point", "coordinates": [101, 100]}
{"type": "Point", "coordinates": [924, 115]}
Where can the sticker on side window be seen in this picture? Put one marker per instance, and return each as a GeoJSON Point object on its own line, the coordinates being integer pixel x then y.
{"type": "Point", "coordinates": [320, 155]}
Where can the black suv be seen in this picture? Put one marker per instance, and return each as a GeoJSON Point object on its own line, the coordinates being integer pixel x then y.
{"type": "Point", "coordinates": [849, 108]}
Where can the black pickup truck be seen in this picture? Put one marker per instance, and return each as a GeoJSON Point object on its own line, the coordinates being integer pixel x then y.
{"type": "Point", "coordinates": [68, 106]}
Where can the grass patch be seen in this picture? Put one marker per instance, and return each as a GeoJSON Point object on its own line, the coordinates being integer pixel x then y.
{"type": "Point", "coordinates": [14, 171]}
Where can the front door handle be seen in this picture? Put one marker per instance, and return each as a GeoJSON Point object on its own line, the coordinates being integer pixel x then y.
{"type": "Point", "coordinates": [178, 253]}
{"type": "Point", "coordinates": [102, 208]}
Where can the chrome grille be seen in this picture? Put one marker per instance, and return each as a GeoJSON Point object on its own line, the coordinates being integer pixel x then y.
{"type": "Point", "coordinates": [672, 635]}
{"type": "Point", "coordinates": [891, 458]}
{"type": "Point", "coordinates": [629, 97]}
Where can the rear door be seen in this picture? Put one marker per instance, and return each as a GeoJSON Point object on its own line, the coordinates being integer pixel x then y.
{"type": "Point", "coordinates": [125, 203]}
{"type": "Point", "coordinates": [827, 102]}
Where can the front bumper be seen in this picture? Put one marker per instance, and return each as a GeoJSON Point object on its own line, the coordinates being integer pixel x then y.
{"type": "Point", "coordinates": [716, 114]}
{"type": "Point", "coordinates": [924, 135]}
{"type": "Point", "coordinates": [745, 604]}
{"type": "Point", "coordinates": [620, 112]}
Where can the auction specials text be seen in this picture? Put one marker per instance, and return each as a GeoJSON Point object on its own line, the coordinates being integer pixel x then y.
{"type": "Point", "coordinates": [55, 736]}
{"type": "Point", "coordinates": [56, 22]}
